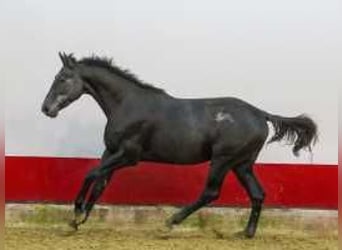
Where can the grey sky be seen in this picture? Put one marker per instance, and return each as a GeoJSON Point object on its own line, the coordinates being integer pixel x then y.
{"type": "Point", "coordinates": [283, 56]}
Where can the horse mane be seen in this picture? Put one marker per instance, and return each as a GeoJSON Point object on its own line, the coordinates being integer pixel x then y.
{"type": "Point", "coordinates": [107, 63]}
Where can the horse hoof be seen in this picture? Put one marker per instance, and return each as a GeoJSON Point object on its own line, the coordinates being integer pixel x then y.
{"type": "Point", "coordinates": [249, 233]}
{"type": "Point", "coordinates": [240, 234]}
{"type": "Point", "coordinates": [169, 224]}
{"type": "Point", "coordinates": [244, 234]}
{"type": "Point", "coordinates": [73, 224]}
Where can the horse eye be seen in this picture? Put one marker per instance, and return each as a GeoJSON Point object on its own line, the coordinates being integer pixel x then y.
{"type": "Point", "coordinates": [63, 79]}
{"type": "Point", "coordinates": [59, 79]}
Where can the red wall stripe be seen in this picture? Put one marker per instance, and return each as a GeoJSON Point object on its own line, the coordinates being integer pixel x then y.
{"type": "Point", "coordinates": [57, 180]}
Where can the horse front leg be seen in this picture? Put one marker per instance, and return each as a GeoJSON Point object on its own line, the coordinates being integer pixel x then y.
{"type": "Point", "coordinates": [88, 181]}
{"type": "Point", "coordinates": [79, 201]}
{"type": "Point", "coordinates": [102, 175]}
{"type": "Point", "coordinates": [99, 186]}
{"type": "Point", "coordinates": [97, 190]}
{"type": "Point", "coordinates": [107, 160]}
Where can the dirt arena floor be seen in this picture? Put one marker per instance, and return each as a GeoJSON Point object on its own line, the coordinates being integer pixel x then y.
{"type": "Point", "coordinates": [45, 227]}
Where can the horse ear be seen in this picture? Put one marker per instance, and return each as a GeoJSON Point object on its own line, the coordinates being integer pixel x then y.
{"type": "Point", "coordinates": [62, 57]}
{"type": "Point", "coordinates": [67, 60]}
{"type": "Point", "coordinates": [71, 60]}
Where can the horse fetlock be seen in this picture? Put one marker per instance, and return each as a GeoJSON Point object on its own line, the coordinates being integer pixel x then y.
{"type": "Point", "coordinates": [169, 224]}
{"type": "Point", "coordinates": [79, 208]}
{"type": "Point", "coordinates": [174, 220]}
{"type": "Point", "coordinates": [210, 196]}
{"type": "Point", "coordinates": [80, 217]}
{"type": "Point", "coordinates": [249, 232]}
{"type": "Point", "coordinates": [74, 224]}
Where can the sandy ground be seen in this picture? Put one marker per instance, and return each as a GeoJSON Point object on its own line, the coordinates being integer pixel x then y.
{"type": "Point", "coordinates": [42, 229]}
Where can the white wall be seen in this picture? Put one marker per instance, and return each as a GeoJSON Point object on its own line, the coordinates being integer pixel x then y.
{"type": "Point", "coordinates": [283, 56]}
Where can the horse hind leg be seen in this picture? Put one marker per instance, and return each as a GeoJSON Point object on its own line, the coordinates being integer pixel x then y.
{"type": "Point", "coordinates": [217, 172]}
{"type": "Point", "coordinates": [255, 192]}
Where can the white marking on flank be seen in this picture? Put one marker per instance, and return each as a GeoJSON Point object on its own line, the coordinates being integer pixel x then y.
{"type": "Point", "coordinates": [220, 116]}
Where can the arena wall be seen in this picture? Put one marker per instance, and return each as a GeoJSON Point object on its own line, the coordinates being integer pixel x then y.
{"type": "Point", "coordinates": [192, 49]}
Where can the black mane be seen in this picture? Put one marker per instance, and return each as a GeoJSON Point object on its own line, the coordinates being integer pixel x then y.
{"type": "Point", "coordinates": [107, 63]}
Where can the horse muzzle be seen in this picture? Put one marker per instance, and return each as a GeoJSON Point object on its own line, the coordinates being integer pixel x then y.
{"type": "Point", "coordinates": [51, 112]}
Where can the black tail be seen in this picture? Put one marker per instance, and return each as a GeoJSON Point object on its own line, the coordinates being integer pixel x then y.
{"type": "Point", "coordinates": [300, 131]}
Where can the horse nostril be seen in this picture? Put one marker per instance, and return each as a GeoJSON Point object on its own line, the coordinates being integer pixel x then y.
{"type": "Point", "coordinates": [45, 109]}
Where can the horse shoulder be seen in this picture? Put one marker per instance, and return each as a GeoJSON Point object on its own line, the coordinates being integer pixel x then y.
{"type": "Point", "coordinates": [119, 131]}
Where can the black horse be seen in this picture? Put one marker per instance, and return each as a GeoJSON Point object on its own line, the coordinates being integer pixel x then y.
{"type": "Point", "coordinates": [146, 123]}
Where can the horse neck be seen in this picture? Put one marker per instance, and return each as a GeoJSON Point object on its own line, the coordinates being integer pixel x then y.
{"type": "Point", "coordinates": [107, 89]}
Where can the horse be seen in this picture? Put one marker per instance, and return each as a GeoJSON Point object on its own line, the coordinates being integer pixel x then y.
{"type": "Point", "coordinates": [145, 123]}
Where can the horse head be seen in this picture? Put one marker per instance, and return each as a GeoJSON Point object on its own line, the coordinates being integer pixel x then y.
{"type": "Point", "coordinates": [67, 87]}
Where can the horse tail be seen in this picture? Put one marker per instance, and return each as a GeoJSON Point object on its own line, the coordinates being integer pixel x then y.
{"type": "Point", "coordinates": [300, 131]}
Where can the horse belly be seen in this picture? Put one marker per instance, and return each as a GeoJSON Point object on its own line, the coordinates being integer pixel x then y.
{"type": "Point", "coordinates": [176, 146]}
